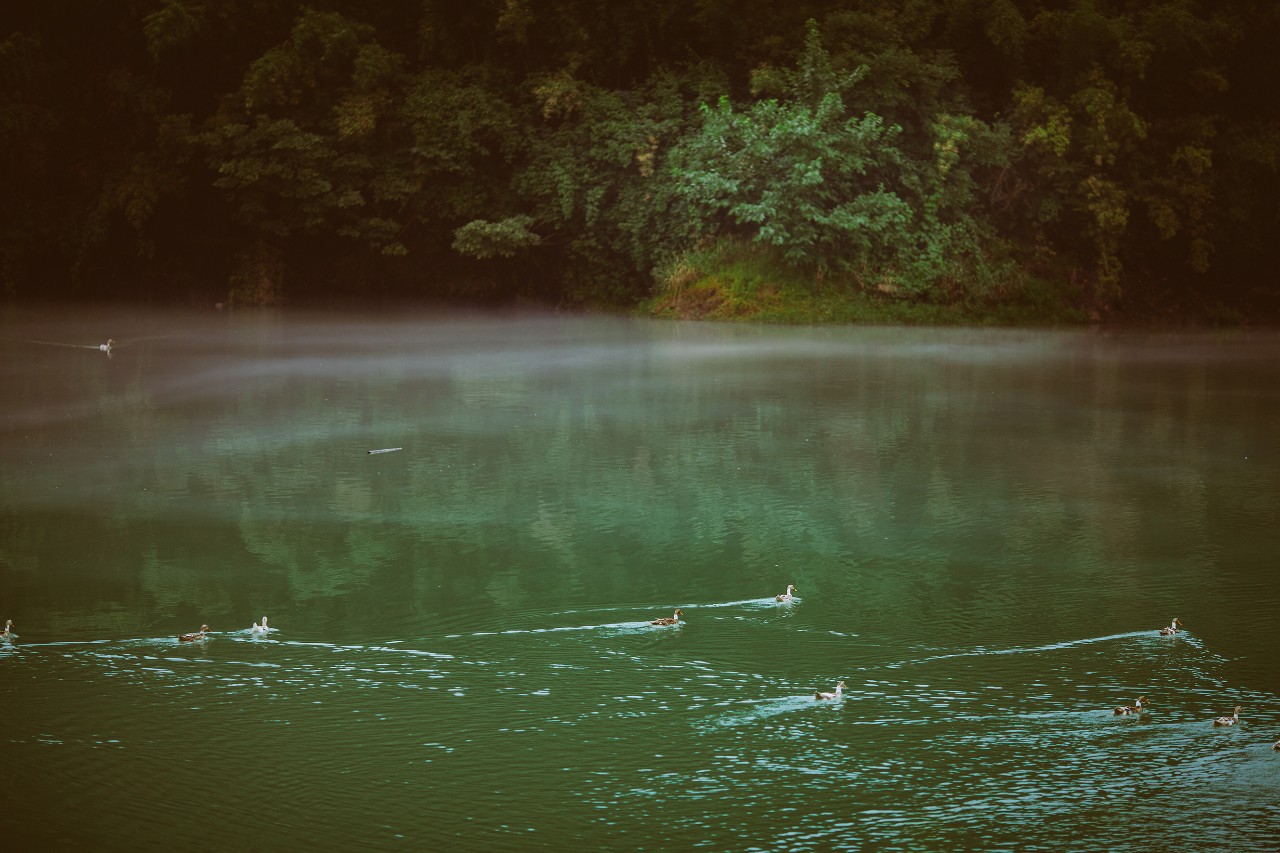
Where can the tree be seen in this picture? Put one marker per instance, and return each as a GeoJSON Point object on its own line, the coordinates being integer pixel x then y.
{"type": "Point", "coordinates": [311, 145]}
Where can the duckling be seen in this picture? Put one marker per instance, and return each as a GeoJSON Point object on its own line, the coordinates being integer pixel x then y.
{"type": "Point", "coordinates": [1134, 709]}
{"type": "Point", "coordinates": [1229, 721]}
{"type": "Point", "coordinates": [839, 693]}
{"type": "Point", "coordinates": [789, 595]}
{"type": "Point", "coordinates": [1172, 629]}
{"type": "Point", "coordinates": [7, 634]}
{"type": "Point", "coordinates": [195, 636]}
{"type": "Point", "coordinates": [260, 629]}
{"type": "Point", "coordinates": [669, 620]}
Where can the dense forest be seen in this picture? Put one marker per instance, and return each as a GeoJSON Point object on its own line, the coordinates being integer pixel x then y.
{"type": "Point", "coordinates": [1113, 156]}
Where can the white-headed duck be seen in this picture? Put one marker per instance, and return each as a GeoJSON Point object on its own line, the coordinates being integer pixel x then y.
{"type": "Point", "coordinates": [194, 636]}
{"type": "Point", "coordinates": [1229, 721]}
{"type": "Point", "coordinates": [835, 695]}
{"type": "Point", "coordinates": [260, 629]}
{"type": "Point", "coordinates": [789, 595]}
{"type": "Point", "coordinates": [1172, 629]}
{"type": "Point", "coordinates": [669, 620]}
{"type": "Point", "coordinates": [1135, 708]}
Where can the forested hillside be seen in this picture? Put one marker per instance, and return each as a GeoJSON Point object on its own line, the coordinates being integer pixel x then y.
{"type": "Point", "coordinates": [1114, 156]}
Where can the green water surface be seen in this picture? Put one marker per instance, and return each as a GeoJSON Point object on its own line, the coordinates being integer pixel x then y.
{"type": "Point", "coordinates": [986, 528]}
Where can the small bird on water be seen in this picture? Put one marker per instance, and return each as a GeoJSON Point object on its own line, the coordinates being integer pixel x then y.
{"type": "Point", "coordinates": [836, 694]}
{"type": "Point", "coordinates": [1172, 629]}
{"type": "Point", "coordinates": [669, 620]}
{"type": "Point", "coordinates": [194, 636]}
{"type": "Point", "coordinates": [1229, 721]}
{"type": "Point", "coordinates": [1135, 708]}
{"type": "Point", "coordinates": [789, 595]}
{"type": "Point", "coordinates": [260, 629]}
{"type": "Point", "coordinates": [107, 346]}
{"type": "Point", "coordinates": [8, 634]}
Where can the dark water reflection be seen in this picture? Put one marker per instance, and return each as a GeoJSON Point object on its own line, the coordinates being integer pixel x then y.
{"type": "Point", "coordinates": [985, 528]}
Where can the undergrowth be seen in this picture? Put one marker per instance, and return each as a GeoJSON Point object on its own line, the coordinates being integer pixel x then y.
{"type": "Point", "coordinates": [730, 280]}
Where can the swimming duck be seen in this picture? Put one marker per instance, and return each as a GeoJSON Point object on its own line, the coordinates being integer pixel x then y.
{"type": "Point", "coordinates": [839, 692]}
{"type": "Point", "coordinates": [195, 636]}
{"type": "Point", "coordinates": [107, 346]}
{"type": "Point", "coordinates": [1172, 629]}
{"type": "Point", "coordinates": [1135, 708]}
{"type": "Point", "coordinates": [788, 595]}
{"type": "Point", "coordinates": [260, 629]}
{"type": "Point", "coordinates": [1229, 721]}
{"type": "Point", "coordinates": [669, 620]}
{"type": "Point", "coordinates": [7, 634]}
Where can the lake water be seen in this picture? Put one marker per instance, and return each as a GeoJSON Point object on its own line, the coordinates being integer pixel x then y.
{"type": "Point", "coordinates": [985, 528]}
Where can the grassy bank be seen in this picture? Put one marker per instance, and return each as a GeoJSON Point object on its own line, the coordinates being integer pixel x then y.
{"type": "Point", "coordinates": [736, 281]}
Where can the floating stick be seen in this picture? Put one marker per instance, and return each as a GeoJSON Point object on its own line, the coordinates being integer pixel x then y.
{"type": "Point", "coordinates": [386, 450]}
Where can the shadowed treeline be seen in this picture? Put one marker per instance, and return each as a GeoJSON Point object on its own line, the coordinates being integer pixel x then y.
{"type": "Point", "coordinates": [1072, 158]}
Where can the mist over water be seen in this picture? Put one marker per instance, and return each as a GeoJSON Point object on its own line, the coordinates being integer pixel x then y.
{"type": "Point", "coordinates": [985, 528]}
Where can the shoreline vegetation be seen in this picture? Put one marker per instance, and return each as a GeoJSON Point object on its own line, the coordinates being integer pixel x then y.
{"type": "Point", "coordinates": [739, 283]}
{"type": "Point", "coordinates": [735, 282]}
{"type": "Point", "coordinates": [925, 162]}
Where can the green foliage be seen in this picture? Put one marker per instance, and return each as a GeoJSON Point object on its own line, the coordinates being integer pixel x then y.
{"type": "Point", "coordinates": [463, 140]}
{"type": "Point", "coordinates": [484, 240]}
{"type": "Point", "coordinates": [1045, 123]}
{"type": "Point", "coordinates": [288, 180]}
{"type": "Point", "coordinates": [915, 150]}
{"type": "Point", "coordinates": [731, 280]}
{"type": "Point", "coordinates": [173, 26]}
{"type": "Point", "coordinates": [808, 180]}
{"type": "Point", "coordinates": [834, 190]}
{"type": "Point", "coordinates": [594, 183]}
{"type": "Point", "coordinates": [303, 148]}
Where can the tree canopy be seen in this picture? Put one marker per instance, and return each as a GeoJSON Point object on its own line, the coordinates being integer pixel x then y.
{"type": "Point", "coordinates": [573, 151]}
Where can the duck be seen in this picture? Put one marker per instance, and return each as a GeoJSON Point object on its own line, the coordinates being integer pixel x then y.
{"type": "Point", "coordinates": [669, 620]}
{"type": "Point", "coordinates": [1229, 721]}
{"type": "Point", "coordinates": [107, 346]}
{"type": "Point", "coordinates": [195, 636]}
{"type": "Point", "coordinates": [8, 634]}
{"type": "Point", "coordinates": [789, 595]}
{"type": "Point", "coordinates": [835, 695]}
{"type": "Point", "coordinates": [1172, 629]}
{"type": "Point", "coordinates": [260, 629]}
{"type": "Point", "coordinates": [1134, 709]}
